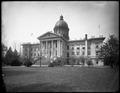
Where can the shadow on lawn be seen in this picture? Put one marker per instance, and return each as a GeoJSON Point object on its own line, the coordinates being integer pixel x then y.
{"type": "Point", "coordinates": [44, 87]}
{"type": "Point", "coordinates": [16, 73]}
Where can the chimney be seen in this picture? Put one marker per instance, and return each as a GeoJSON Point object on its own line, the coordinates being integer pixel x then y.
{"type": "Point", "coordinates": [85, 36]}
{"type": "Point", "coordinates": [86, 45]}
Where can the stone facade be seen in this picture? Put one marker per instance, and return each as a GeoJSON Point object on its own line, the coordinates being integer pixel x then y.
{"type": "Point", "coordinates": [57, 44]}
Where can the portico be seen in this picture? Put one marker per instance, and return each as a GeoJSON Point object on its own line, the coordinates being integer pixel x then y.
{"type": "Point", "coordinates": [51, 47]}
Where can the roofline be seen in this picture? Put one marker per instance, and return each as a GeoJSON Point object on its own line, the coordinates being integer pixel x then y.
{"type": "Point", "coordinates": [53, 33]}
{"type": "Point", "coordinates": [25, 44]}
{"type": "Point", "coordinates": [100, 38]}
{"type": "Point", "coordinates": [43, 34]}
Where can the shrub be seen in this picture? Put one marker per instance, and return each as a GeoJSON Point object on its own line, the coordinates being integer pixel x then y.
{"type": "Point", "coordinates": [28, 63]}
{"type": "Point", "coordinates": [89, 62]}
{"type": "Point", "coordinates": [51, 65]}
{"type": "Point", "coordinates": [72, 61]}
{"type": "Point", "coordinates": [82, 60]}
{"type": "Point", "coordinates": [16, 62]}
{"type": "Point", "coordinates": [57, 62]}
{"type": "Point", "coordinates": [60, 61]}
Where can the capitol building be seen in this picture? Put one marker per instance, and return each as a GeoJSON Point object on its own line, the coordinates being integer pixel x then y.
{"type": "Point", "coordinates": [57, 44]}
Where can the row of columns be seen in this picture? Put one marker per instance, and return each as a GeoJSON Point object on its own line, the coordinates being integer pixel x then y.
{"type": "Point", "coordinates": [51, 48]}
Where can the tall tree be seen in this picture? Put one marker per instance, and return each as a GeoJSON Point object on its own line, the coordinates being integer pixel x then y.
{"type": "Point", "coordinates": [109, 52]}
{"type": "Point", "coordinates": [9, 56]}
{"type": "Point", "coordinates": [4, 50]}
{"type": "Point", "coordinates": [16, 55]}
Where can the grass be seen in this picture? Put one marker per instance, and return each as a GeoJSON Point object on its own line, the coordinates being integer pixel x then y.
{"type": "Point", "coordinates": [60, 79]}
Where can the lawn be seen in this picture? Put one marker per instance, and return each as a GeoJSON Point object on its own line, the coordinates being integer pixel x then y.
{"type": "Point", "coordinates": [60, 79]}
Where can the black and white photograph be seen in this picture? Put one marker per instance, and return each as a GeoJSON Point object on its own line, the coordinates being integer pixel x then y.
{"type": "Point", "coordinates": [60, 46]}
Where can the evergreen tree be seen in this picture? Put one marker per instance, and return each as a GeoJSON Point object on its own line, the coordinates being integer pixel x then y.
{"type": "Point", "coordinates": [16, 55]}
{"type": "Point", "coordinates": [109, 52]}
{"type": "Point", "coordinates": [16, 61]}
{"type": "Point", "coordinates": [9, 56]}
{"type": "Point", "coordinates": [4, 50]}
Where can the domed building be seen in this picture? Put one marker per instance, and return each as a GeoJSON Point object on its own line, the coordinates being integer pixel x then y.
{"type": "Point", "coordinates": [61, 28]}
{"type": "Point", "coordinates": [56, 44]}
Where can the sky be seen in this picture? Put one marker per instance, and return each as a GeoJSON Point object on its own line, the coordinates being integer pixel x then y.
{"type": "Point", "coordinates": [24, 21]}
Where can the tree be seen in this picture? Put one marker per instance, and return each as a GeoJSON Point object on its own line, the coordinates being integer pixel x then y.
{"type": "Point", "coordinates": [109, 52]}
{"type": "Point", "coordinates": [12, 58]}
{"type": "Point", "coordinates": [27, 62]}
{"type": "Point", "coordinates": [16, 59]}
{"type": "Point", "coordinates": [9, 56]}
{"type": "Point", "coordinates": [4, 50]}
{"type": "Point", "coordinates": [15, 54]}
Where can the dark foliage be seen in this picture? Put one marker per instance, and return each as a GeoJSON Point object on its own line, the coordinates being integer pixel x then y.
{"type": "Point", "coordinates": [27, 62]}
{"type": "Point", "coordinates": [9, 57]}
{"type": "Point", "coordinates": [57, 62]}
{"type": "Point", "coordinates": [16, 62]}
{"type": "Point", "coordinates": [109, 52]}
{"type": "Point", "coordinates": [51, 65]}
{"type": "Point", "coordinates": [89, 62]}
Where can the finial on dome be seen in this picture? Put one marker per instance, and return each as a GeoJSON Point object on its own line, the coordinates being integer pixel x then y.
{"type": "Point", "coordinates": [61, 17]}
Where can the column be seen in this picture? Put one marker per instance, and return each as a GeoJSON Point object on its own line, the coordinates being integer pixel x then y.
{"type": "Point", "coordinates": [46, 48]}
{"type": "Point", "coordinates": [52, 48]}
{"type": "Point", "coordinates": [56, 48]}
{"type": "Point", "coordinates": [59, 48]}
{"type": "Point", "coordinates": [41, 47]}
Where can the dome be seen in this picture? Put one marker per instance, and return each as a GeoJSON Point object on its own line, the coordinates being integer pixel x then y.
{"type": "Point", "coordinates": [61, 23]}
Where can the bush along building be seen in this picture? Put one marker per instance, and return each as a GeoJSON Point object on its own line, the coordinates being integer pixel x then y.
{"type": "Point", "coordinates": [54, 45]}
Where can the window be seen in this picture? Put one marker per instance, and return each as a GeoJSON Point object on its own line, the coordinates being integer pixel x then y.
{"type": "Point", "coordinates": [67, 47]}
{"type": "Point", "coordinates": [67, 54]}
{"type": "Point", "coordinates": [34, 54]}
{"type": "Point", "coordinates": [25, 49]}
{"type": "Point", "coordinates": [89, 52]}
{"type": "Point", "coordinates": [78, 48]}
{"type": "Point", "coordinates": [78, 53]}
{"type": "Point", "coordinates": [25, 54]}
{"type": "Point", "coordinates": [72, 53]}
{"type": "Point", "coordinates": [97, 46]}
{"type": "Point", "coordinates": [88, 47]}
{"type": "Point", "coordinates": [96, 53]}
{"type": "Point", "coordinates": [83, 48]}
{"type": "Point", "coordinates": [83, 53]}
